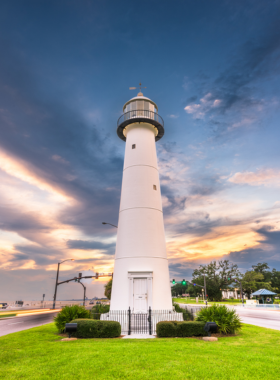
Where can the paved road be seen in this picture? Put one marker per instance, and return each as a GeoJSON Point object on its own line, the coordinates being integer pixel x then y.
{"type": "Point", "coordinates": [11, 325]}
{"type": "Point", "coordinates": [263, 318]}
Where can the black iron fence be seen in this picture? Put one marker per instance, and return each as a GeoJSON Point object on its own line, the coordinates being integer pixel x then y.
{"type": "Point", "coordinates": [141, 114]}
{"type": "Point", "coordinates": [141, 323]}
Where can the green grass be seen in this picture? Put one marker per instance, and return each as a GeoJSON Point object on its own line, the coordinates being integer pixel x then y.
{"type": "Point", "coordinates": [185, 300]}
{"type": "Point", "coordinates": [38, 353]}
{"type": "Point", "coordinates": [7, 315]}
{"type": "Point", "coordinates": [188, 301]}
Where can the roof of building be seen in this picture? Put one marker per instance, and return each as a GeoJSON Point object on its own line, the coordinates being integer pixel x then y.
{"type": "Point", "coordinates": [263, 292]}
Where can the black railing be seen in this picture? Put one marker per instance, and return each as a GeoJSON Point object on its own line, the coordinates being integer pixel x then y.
{"type": "Point", "coordinates": [141, 323]}
{"type": "Point", "coordinates": [136, 114]}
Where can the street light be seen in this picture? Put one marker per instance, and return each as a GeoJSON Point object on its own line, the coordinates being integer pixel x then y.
{"type": "Point", "coordinates": [110, 224]}
{"type": "Point", "coordinates": [57, 273]}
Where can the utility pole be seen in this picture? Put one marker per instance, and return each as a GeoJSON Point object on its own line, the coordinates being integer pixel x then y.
{"type": "Point", "coordinates": [55, 290]}
{"type": "Point", "coordinates": [205, 290]}
{"type": "Point", "coordinates": [84, 291]}
{"type": "Point", "coordinates": [56, 282]}
{"type": "Point", "coordinates": [242, 293]}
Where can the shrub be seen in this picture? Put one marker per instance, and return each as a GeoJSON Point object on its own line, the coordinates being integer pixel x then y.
{"type": "Point", "coordinates": [227, 320]}
{"type": "Point", "coordinates": [99, 309]}
{"type": "Point", "coordinates": [187, 316]}
{"type": "Point", "coordinates": [277, 302]}
{"type": "Point", "coordinates": [68, 313]}
{"type": "Point", "coordinates": [180, 329]}
{"type": "Point", "coordinates": [91, 328]}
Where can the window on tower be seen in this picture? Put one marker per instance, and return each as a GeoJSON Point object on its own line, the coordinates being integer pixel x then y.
{"type": "Point", "coordinates": [154, 187]}
{"type": "Point", "coordinates": [133, 146]}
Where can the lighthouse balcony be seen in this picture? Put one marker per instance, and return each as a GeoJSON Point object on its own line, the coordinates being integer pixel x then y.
{"type": "Point", "coordinates": [140, 116]}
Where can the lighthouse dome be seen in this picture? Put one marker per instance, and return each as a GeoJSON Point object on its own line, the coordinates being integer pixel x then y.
{"type": "Point", "coordinates": [140, 109]}
{"type": "Point", "coordinates": [140, 102]}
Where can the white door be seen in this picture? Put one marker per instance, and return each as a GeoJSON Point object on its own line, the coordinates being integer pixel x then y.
{"type": "Point", "coordinates": [140, 297]}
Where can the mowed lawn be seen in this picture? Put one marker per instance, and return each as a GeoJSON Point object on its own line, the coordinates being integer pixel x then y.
{"type": "Point", "coordinates": [38, 353]}
{"type": "Point", "coordinates": [188, 301]}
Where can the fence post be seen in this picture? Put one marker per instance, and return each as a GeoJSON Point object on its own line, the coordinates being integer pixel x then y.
{"type": "Point", "coordinates": [150, 321]}
{"type": "Point", "coordinates": [129, 321]}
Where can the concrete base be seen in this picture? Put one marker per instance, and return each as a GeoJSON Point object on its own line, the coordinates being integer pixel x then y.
{"type": "Point", "coordinates": [67, 339]}
{"type": "Point", "coordinates": [210, 338]}
{"type": "Point", "coordinates": [138, 336]}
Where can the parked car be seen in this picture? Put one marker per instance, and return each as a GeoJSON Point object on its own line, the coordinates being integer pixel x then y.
{"type": "Point", "coordinates": [3, 305]}
{"type": "Point", "coordinates": [91, 303]}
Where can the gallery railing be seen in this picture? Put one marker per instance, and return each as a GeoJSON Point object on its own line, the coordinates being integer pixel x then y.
{"type": "Point", "coordinates": [141, 114]}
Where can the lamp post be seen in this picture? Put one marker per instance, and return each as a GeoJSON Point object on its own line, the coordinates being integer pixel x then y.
{"type": "Point", "coordinates": [57, 273]}
{"type": "Point", "coordinates": [110, 224]}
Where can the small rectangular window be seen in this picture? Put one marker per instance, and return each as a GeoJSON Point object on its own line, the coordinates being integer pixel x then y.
{"type": "Point", "coordinates": [133, 146]}
{"type": "Point", "coordinates": [154, 187]}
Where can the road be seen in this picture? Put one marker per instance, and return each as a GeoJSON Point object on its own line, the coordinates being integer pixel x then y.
{"type": "Point", "coordinates": [11, 325]}
{"type": "Point", "coordinates": [263, 318]}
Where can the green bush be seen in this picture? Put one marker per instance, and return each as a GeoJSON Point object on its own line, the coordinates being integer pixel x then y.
{"type": "Point", "coordinates": [91, 328]}
{"type": "Point", "coordinates": [68, 313]}
{"type": "Point", "coordinates": [227, 320]}
{"type": "Point", "coordinates": [99, 309]}
{"type": "Point", "coordinates": [180, 329]}
{"type": "Point", "coordinates": [187, 316]}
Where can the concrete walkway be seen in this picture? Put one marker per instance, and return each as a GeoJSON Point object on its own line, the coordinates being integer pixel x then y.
{"type": "Point", "coordinates": [138, 336]}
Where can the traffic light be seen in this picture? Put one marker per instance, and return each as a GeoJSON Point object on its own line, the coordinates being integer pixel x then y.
{"type": "Point", "coordinates": [184, 282]}
{"type": "Point", "coordinates": [75, 279]}
{"type": "Point", "coordinates": [80, 275]}
{"type": "Point", "coordinates": [194, 284]}
{"type": "Point", "coordinates": [173, 281]}
{"type": "Point", "coordinates": [229, 278]}
{"type": "Point", "coordinates": [96, 275]}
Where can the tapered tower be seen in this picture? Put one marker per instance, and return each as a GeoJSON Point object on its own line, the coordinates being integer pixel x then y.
{"type": "Point", "coordinates": [141, 274]}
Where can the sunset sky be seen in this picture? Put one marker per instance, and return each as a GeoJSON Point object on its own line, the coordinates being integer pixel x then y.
{"type": "Point", "coordinates": [213, 69]}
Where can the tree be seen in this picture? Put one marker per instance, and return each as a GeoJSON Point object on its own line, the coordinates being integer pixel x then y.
{"type": "Point", "coordinates": [252, 281]}
{"type": "Point", "coordinates": [263, 268]}
{"type": "Point", "coordinates": [108, 289]}
{"type": "Point", "coordinates": [275, 280]}
{"type": "Point", "coordinates": [179, 289]}
{"type": "Point", "coordinates": [216, 275]}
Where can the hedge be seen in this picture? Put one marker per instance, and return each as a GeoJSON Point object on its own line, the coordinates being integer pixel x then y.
{"type": "Point", "coordinates": [92, 328]}
{"type": "Point", "coordinates": [180, 329]}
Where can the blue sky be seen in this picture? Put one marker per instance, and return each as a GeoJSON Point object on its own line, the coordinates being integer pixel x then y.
{"type": "Point", "coordinates": [66, 67]}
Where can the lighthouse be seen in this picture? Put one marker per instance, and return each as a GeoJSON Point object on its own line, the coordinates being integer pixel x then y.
{"type": "Point", "coordinates": [141, 274]}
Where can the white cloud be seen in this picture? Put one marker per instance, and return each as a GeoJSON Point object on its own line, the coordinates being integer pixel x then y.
{"type": "Point", "coordinates": [259, 177]}
{"type": "Point", "coordinates": [205, 105]}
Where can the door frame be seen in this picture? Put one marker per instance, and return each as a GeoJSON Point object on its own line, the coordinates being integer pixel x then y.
{"type": "Point", "coordinates": [144, 275]}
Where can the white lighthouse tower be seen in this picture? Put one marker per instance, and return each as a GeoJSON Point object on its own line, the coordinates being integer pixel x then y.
{"type": "Point", "coordinates": [141, 275]}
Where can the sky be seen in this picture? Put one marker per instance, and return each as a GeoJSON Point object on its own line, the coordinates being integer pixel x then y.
{"type": "Point", "coordinates": [213, 69]}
